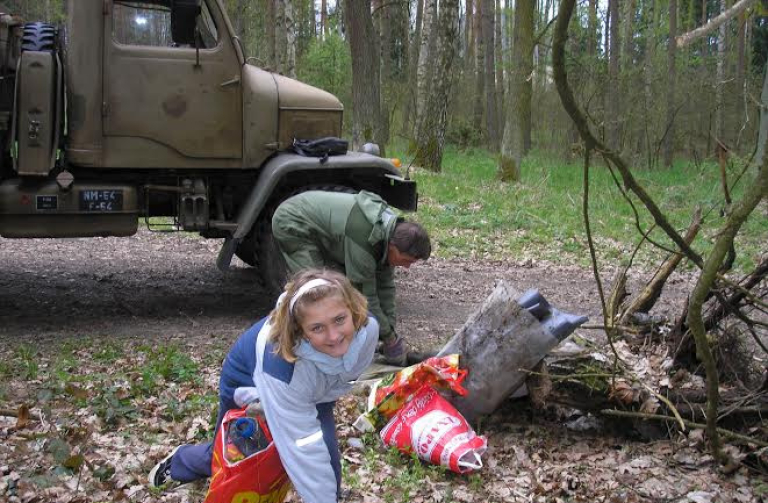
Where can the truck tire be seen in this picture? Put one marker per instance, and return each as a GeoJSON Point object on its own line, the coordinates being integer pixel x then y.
{"type": "Point", "coordinates": [39, 37]}
{"type": "Point", "coordinates": [267, 257]}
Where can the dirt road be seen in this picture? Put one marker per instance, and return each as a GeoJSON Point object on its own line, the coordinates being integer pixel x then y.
{"type": "Point", "coordinates": [166, 285]}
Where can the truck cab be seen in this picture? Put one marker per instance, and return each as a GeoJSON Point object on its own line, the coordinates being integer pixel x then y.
{"type": "Point", "coordinates": [151, 108]}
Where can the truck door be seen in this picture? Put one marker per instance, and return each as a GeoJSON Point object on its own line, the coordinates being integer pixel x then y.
{"type": "Point", "coordinates": [168, 103]}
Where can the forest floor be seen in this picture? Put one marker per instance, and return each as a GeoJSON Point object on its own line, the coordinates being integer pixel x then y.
{"type": "Point", "coordinates": [117, 344]}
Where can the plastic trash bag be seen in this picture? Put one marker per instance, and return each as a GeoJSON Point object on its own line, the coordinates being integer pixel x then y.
{"type": "Point", "coordinates": [389, 394]}
{"type": "Point", "coordinates": [259, 476]}
{"type": "Point", "coordinates": [432, 428]}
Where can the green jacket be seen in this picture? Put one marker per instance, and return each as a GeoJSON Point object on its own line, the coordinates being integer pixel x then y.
{"type": "Point", "coordinates": [346, 232]}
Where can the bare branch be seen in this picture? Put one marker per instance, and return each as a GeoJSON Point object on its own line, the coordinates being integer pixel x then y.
{"type": "Point", "coordinates": [686, 38]}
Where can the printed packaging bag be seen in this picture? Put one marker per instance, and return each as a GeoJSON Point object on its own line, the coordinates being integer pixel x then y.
{"type": "Point", "coordinates": [389, 394]}
{"type": "Point", "coordinates": [432, 428]}
{"type": "Point", "coordinates": [257, 478]}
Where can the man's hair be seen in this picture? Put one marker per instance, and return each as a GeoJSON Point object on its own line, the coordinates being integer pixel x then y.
{"type": "Point", "coordinates": [286, 331]}
{"type": "Point", "coordinates": [412, 239]}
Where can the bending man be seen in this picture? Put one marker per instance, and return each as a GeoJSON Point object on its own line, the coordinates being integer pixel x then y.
{"type": "Point", "coordinates": [357, 234]}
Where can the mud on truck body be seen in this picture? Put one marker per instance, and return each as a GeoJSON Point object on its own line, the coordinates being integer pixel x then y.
{"type": "Point", "coordinates": [139, 109]}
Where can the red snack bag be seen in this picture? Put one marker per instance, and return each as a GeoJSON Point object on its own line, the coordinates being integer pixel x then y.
{"type": "Point", "coordinates": [396, 389]}
{"type": "Point", "coordinates": [436, 431]}
{"type": "Point", "coordinates": [257, 478]}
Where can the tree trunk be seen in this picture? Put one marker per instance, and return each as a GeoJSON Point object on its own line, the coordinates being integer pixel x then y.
{"type": "Point", "coordinates": [469, 37]}
{"type": "Point", "coordinates": [323, 19]}
{"type": "Point", "coordinates": [720, 78]}
{"type": "Point", "coordinates": [479, 68]}
{"type": "Point", "coordinates": [499, 66]}
{"type": "Point", "coordinates": [413, 61]}
{"type": "Point", "coordinates": [650, 14]}
{"type": "Point", "coordinates": [383, 28]}
{"type": "Point", "coordinates": [431, 141]}
{"type": "Point", "coordinates": [364, 47]}
{"type": "Point", "coordinates": [669, 138]}
{"type": "Point", "coordinates": [491, 104]}
{"type": "Point", "coordinates": [290, 39]}
{"type": "Point", "coordinates": [613, 109]}
{"type": "Point", "coordinates": [426, 55]}
{"type": "Point", "coordinates": [592, 28]}
{"type": "Point", "coordinates": [518, 117]}
{"type": "Point", "coordinates": [741, 63]}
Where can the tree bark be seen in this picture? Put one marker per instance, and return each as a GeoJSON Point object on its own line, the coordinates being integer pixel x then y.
{"type": "Point", "coordinates": [707, 27]}
{"type": "Point", "coordinates": [669, 138]}
{"type": "Point", "coordinates": [290, 39]}
{"type": "Point", "coordinates": [755, 192]}
{"type": "Point", "coordinates": [383, 26]}
{"type": "Point", "coordinates": [413, 62]}
{"type": "Point", "coordinates": [431, 141]}
{"type": "Point", "coordinates": [364, 47]}
{"type": "Point", "coordinates": [479, 68]}
{"type": "Point", "coordinates": [650, 13]}
{"type": "Point", "coordinates": [613, 108]}
{"type": "Point", "coordinates": [518, 119]}
{"type": "Point", "coordinates": [491, 104]}
{"type": "Point", "coordinates": [499, 33]}
{"type": "Point", "coordinates": [469, 36]}
{"type": "Point", "coordinates": [720, 79]}
{"type": "Point", "coordinates": [592, 28]}
{"type": "Point", "coordinates": [426, 55]}
{"type": "Point", "coordinates": [323, 19]}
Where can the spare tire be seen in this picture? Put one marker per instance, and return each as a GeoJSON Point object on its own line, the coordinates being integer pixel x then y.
{"type": "Point", "coordinates": [39, 37]}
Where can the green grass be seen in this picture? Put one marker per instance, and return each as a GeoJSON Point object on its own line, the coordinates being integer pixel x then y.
{"type": "Point", "coordinates": [471, 214]}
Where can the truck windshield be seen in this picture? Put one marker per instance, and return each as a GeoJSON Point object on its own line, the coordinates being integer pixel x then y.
{"type": "Point", "coordinates": [149, 23]}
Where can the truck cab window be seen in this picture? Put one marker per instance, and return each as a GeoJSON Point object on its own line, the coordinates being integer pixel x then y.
{"type": "Point", "coordinates": [148, 23]}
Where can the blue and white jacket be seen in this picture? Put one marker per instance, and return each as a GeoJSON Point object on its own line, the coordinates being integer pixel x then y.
{"type": "Point", "coordinates": [298, 400]}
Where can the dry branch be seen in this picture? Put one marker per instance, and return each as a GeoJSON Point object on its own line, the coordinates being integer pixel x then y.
{"type": "Point", "coordinates": [646, 299]}
{"type": "Point", "coordinates": [686, 38]}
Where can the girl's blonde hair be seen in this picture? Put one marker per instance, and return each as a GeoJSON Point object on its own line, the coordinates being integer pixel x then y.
{"type": "Point", "coordinates": [286, 332]}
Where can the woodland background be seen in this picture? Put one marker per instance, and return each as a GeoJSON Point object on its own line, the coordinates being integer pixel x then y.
{"type": "Point", "coordinates": [479, 72]}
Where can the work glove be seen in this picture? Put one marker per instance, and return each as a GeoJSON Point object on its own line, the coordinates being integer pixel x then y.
{"type": "Point", "coordinates": [395, 351]}
{"type": "Point", "coordinates": [248, 397]}
{"type": "Point", "coordinates": [255, 409]}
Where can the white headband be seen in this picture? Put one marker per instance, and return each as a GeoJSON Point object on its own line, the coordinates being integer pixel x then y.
{"type": "Point", "coordinates": [309, 285]}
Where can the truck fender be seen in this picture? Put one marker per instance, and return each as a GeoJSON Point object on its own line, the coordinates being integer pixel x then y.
{"type": "Point", "coordinates": [280, 167]}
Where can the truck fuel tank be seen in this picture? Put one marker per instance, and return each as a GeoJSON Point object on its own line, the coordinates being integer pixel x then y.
{"type": "Point", "coordinates": [42, 209]}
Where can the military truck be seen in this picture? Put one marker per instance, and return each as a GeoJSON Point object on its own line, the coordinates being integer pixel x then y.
{"type": "Point", "coordinates": [151, 108]}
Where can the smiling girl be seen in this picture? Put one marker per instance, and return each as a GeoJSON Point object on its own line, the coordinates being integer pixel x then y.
{"type": "Point", "coordinates": [293, 365]}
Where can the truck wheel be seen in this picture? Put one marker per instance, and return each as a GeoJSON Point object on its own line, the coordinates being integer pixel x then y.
{"type": "Point", "coordinates": [267, 256]}
{"type": "Point", "coordinates": [39, 37]}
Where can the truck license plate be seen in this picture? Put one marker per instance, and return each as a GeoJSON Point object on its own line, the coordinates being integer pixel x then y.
{"type": "Point", "coordinates": [101, 200]}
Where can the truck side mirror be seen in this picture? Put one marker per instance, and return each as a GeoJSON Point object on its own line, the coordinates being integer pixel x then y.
{"type": "Point", "coordinates": [183, 20]}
